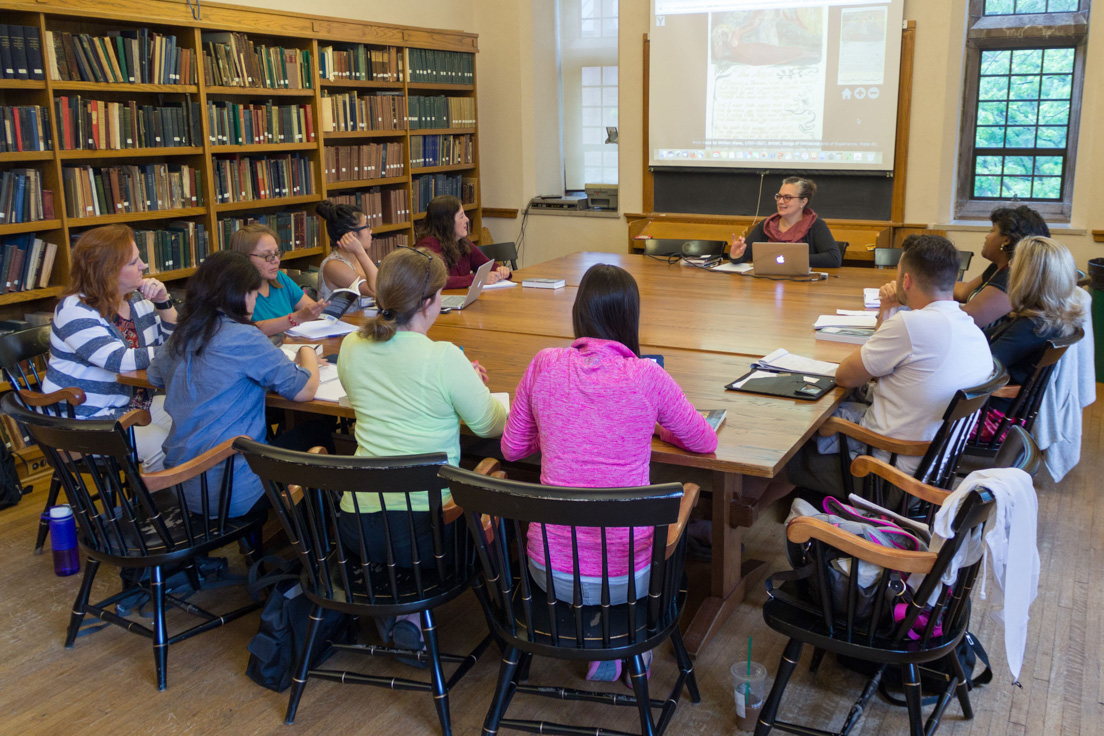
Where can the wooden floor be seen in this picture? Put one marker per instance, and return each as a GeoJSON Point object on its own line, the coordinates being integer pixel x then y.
{"type": "Point", "coordinates": [105, 684]}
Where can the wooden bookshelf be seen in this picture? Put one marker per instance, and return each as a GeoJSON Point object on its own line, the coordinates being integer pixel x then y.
{"type": "Point", "coordinates": [303, 32]}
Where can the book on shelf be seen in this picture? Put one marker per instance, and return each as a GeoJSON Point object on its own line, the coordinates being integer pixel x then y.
{"type": "Point", "coordinates": [231, 59]}
{"type": "Point", "coordinates": [428, 186]}
{"type": "Point", "coordinates": [360, 63]}
{"type": "Point", "coordinates": [26, 262]}
{"type": "Point", "coordinates": [21, 196]}
{"type": "Point", "coordinates": [92, 190]}
{"type": "Point", "coordinates": [348, 111]}
{"type": "Point", "coordinates": [854, 335]}
{"type": "Point", "coordinates": [181, 244]}
{"type": "Point", "coordinates": [441, 111]}
{"type": "Point", "coordinates": [367, 161]}
{"type": "Point", "coordinates": [26, 128]}
{"type": "Point", "coordinates": [441, 150]}
{"type": "Point", "coordinates": [544, 283]}
{"type": "Point", "coordinates": [381, 206]}
{"type": "Point", "coordinates": [294, 230]}
{"type": "Point", "coordinates": [383, 245]}
{"type": "Point", "coordinates": [132, 56]}
{"type": "Point", "coordinates": [241, 178]}
{"type": "Point", "coordinates": [715, 417]}
{"type": "Point", "coordinates": [234, 124]}
{"type": "Point", "coordinates": [20, 52]}
{"type": "Point", "coordinates": [432, 66]}
{"type": "Point", "coordinates": [100, 125]}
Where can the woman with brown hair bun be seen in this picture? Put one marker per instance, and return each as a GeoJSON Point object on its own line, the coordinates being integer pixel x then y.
{"type": "Point", "coordinates": [281, 304]}
{"type": "Point", "coordinates": [794, 222]}
{"type": "Point", "coordinates": [111, 319]}
{"type": "Point", "coordinates": [410, 395]}
{"type": "Point", "coordinates": [444, 231]}
{"type": "Point", "coordinates": [348, 261]}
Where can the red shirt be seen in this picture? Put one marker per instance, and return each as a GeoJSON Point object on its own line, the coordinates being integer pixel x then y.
{"type": "Point", "coordinates": [462, 274]}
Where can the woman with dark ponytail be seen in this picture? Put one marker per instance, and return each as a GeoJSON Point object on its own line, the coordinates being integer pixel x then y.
{"type": "Point", "coordinates": [216, 369]}
{"type": "Point", "coordinates": [348, 261]}
{"type": "Point", "coordinates": [445, 232]}
{"type": "Point", "coordinates": [409, 394]}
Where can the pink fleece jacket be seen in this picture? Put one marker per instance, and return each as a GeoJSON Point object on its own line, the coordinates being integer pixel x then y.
{"type": "Point", "coordinates": [590, 409]}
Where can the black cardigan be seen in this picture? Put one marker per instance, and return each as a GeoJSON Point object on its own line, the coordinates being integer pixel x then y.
{"type": "Point", "coordinates": [823, 250]}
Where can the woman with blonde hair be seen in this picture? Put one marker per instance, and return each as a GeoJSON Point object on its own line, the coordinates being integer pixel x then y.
{"type": "Point", "coordinates": [111, 319]}
{"type": "Point", "coordinates": [281, 304]}
{"type": "Point", "coordinates": [410, 394]}
{"type": "Point", "coordinates": [1042, 286]}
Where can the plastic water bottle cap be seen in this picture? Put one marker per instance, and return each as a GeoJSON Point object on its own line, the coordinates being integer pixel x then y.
{"type": "Point", "coordinates": [61, 512]}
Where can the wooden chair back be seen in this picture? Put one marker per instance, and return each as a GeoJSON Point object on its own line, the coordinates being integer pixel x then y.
{"type": "Point", "coordinates": [307, 491]}
{"type": "Point", "coordinates": [535, 615]}
{"type": "Point", "coordinates": [23, 357]}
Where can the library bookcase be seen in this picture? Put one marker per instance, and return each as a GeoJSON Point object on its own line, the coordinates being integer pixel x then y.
{"type": "Point", "coordinates": [243, 152]}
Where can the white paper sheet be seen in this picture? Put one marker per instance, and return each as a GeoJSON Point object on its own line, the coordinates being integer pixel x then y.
{"type": "Point", "coordinates": [870, 298]}
{"type": "Point", "coordinates": [499, 285]}
{"type": "Point", "coordinates": [786, 362]}
{"type": "Point", "coordinates": [502, 398]}
{"type": "Point", "coordinates": [866, 321]}
{"type": "Point", "coordinates": [330, 391]}
{"type": "Point", "coordinates": [733, 268]}
{"type": "Point", "coordinates": [320, 328]}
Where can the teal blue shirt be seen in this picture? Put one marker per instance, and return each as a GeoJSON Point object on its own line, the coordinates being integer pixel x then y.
{"type": "Point", "coordinates": [279, 302]}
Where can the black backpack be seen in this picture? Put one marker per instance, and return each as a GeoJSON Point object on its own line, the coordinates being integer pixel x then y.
{"type": "Point", "coordinates": [11, 492]}
{"type": "Point", "coordinates": [281, 636]}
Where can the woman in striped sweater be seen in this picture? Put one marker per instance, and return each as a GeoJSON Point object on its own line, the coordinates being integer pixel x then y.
{"type": "Point", "coordinates": [111, 320]}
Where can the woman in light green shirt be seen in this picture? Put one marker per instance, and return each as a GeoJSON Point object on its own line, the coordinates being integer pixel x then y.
{"type": "Point", "coordinates": [410, 395]}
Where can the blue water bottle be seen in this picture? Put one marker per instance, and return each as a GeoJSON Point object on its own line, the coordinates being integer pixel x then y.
{"type": "Point", "coordinates": [63, 541]}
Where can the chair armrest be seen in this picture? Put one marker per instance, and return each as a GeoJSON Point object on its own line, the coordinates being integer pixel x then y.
{"type": "Point", "coordinates": [1007, 392]}
{"type": "Point", "coordinates": [487, 466]}
{"type": "Point", "coordinates": [135, 418]}
{"type": "Point", "coordinates": [199, 464]}
{"type": "Point", "coordinates": [864, 465]}
{"type": "Point", "coordinates": [689, 501]}
{"type": "Point", "coordinates": [804, 528]}
{"type": "Point", "coordinates": [74, 396]}
{"type": "Point", "coordinates": [899, 447]}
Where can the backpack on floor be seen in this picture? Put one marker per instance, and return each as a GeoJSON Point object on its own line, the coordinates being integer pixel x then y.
{"type": "Point", "coordinates": [281, 637]}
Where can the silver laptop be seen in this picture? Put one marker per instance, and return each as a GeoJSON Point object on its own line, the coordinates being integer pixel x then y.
{"type": "Point", "coordinates": [459, 302]}
{"type": "Point", "coordinates": [780, 259]}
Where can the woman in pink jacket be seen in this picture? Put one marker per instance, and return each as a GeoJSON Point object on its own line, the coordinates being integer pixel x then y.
{"type": "Point", "coordinates": [591, 410]}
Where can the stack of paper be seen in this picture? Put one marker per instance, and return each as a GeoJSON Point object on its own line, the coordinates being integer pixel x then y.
{"type": "Point", "coordinates": [870, 298]}
{"type": "Point", "coordinates": [865, 321]}
{"type": "Point", "coordinates": [502, 398]}
{"type": "Point", "coordinates": [320, 328]}
{"type": "Point", "coordinates": [499, 285]}
{"type": "Point", "coordinates": [783, 361]}
{"type": "Point", "coordinates": [330, 391]}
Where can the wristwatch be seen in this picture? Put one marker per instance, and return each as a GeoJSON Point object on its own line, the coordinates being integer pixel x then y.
{"type": "Point", "coordinates": [167, 304]}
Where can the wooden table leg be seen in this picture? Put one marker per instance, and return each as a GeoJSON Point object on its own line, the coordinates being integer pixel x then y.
{"type": "Point", "coordinates": [730, 575]}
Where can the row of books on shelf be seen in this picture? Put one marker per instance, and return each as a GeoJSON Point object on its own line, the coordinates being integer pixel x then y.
{"type": "Point", "coordinates": [431, 66]}
{"type": "Point", "coordinates": [101, 125]}
{"type": "Point", "coordinates": [367, 161]}
{"type": "Point", "coordinates": [138, 56]}
{"type": "Point", "coordinates": [230, 123]}
{"type": "Point", "coordinates": [230, 59]}
{"type": "Point", "coordinates": [441, 150]}
{"type": "Point", "coordinates": [26, 262]}
{"type": "Point", "coordinates": [91, 190]}
{"type": "Point", "coordinates": [294, 230]}
{"type": "Point", "coordinates": [383, 206]}
{"type": "Point", "coordinates": [22, 198]}
{"type": "Point", "coordinates": [26, 128]}
{"type": "Point", "coordinates": [247, 178]}
{"type": "Point", "coordinates": [382, 245]}
{"type": "Point", "coordinates": [428, 186]}
{"type": "Point", "coordinates": [441, 111]}
{"type": "Point", "coordinates": [361, 63]}
{"type": "Point", "coordinates": [345, 112]}
{"type": "Point", "coordinates": [180, 244]}
{"type": "Point", "coordinates": [20, 52]}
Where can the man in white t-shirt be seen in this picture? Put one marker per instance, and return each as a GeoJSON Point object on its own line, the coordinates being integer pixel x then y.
{"type": "Point", "coordinates": [921, 356]}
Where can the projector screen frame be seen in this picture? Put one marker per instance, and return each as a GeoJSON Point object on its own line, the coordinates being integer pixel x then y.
{"type": "Point", "coordinates": [900, 158]}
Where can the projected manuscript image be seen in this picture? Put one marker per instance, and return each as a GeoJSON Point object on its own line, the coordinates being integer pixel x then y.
{"type": "Point", "coordinates": [766, 75]}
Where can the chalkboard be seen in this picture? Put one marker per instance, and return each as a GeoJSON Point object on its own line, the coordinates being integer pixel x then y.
{"type": "Point", "coordinates": [840, 196]}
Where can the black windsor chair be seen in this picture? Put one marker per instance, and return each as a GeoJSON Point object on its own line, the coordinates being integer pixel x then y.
{"type": "Point", "coordinates": [875, 637]}
{"type": "Point", "coordinates": [134, 520]}
{"type": "Point", "coordinates": [692, 248]}
{"type": "Point", "coordinates": [501, 252]}
{"type": "Point", "coordinates": [530, 619]}
{"type": "Point", "coordinates": [939, 457]}
{"type": "Point", "coordinates": [890, 257]}
{"type": "Point", "coordinates": [23, 357]}
{"type": "Point", "coordinates": [340, 574]}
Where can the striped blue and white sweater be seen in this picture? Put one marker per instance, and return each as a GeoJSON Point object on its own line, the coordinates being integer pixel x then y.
{"type": "Point", "coordinates": [87, 351]}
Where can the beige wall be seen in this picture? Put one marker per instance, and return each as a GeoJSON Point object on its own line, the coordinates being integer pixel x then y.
{"type": "Point", "coordinates": [518, 109]}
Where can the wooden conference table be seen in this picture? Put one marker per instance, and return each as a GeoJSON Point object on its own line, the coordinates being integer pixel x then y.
{"type": "Point", "coordinates": [709, 327]}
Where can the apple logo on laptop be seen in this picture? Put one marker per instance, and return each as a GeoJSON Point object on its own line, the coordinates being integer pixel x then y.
{"type": "Point", "coordinates": [780, 259]}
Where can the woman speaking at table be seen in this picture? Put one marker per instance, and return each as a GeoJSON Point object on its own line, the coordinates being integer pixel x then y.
{"type": "Point", "coordinates": [794, 222]}
{"type": "Point", "coordinates": [112, 319]}
{"type": "Point", "coordinates": [445, 232]}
